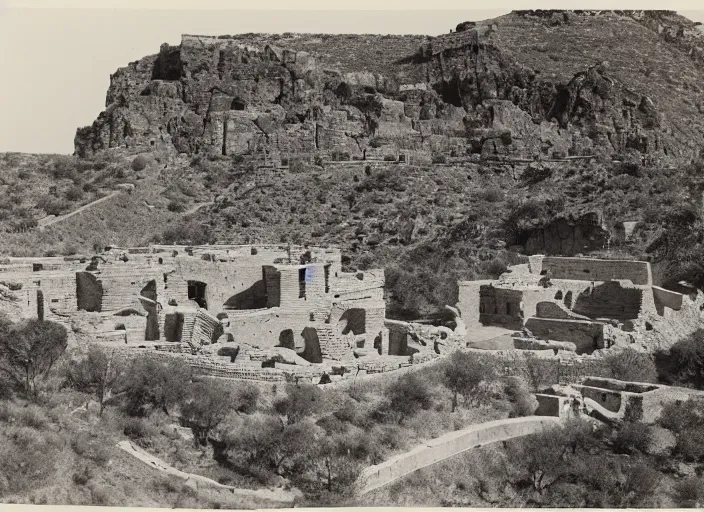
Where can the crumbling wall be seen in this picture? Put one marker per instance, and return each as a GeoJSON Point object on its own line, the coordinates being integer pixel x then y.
{"type": "Point", "coordinates": [468, 301]}
{"type": "Point", "coordinates": [500, 307]}
{"type": "Point", "coordinates": [587, 336]}
{"type": "Point", "coordinates": [589, 269]}
{"type": "Point", "coordinates": [609, 300]}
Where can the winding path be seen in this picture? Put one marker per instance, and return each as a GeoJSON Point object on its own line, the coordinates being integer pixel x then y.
{"type": "Point", "coordinates": [275, 495]}
{"type": "Point", "coordinates": [448, 445]}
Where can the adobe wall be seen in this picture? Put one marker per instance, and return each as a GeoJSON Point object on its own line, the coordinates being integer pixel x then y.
{"type": "Point", "coordinates": [468, 301]}
{"type": "Point", "coordinates": [500, 307]}
{"type": "Point", "coordinates": [609, 300]}
{"type": "Point", "coordinates": [587, 336]}
{"type": "Point", "coordinates": [666, 299]}
{"type": "Point", "coordinates": [587, 269]}
{"type": "Point", "coordinates": [451, 444]}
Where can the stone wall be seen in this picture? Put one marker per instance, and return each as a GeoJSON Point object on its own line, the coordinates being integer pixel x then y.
{"type": "Point", "coordinates": [588, 269]}
{"type": "Point", "coordinates": [450, 444]}
{"type": "Point", "coordinates": [609, 300]}
{"type": "Point", "coordinates": [666, 299]}
{"type": "Point", "coordinates": [587, 336]}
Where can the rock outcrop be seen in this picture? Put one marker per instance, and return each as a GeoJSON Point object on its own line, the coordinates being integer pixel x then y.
{"type": "Point", "coordinates": [494, 88]}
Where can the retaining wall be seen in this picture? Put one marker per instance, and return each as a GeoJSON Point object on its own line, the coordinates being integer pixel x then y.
{"type": "Point", "coordinates": [451, 444]}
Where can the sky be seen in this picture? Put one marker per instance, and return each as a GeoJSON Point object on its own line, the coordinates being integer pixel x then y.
{"type": "Point", "coordinates": [56, 62]}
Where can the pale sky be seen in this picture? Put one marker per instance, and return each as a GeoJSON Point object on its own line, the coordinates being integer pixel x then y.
{"type": "Point", "coordinates": [56, 62]}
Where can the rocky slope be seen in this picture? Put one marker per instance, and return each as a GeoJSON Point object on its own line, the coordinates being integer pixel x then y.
{"type": "Point", "coordinates": [438, 157]}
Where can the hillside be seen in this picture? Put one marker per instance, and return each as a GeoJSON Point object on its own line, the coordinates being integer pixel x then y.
{"type": "Point", "coordinates": [439, 158]}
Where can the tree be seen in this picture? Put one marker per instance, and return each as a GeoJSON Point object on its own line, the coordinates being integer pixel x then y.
{"type": "Point", "coordinates": [97, 373]}
{"type": "Point", "coordinates": [149, 384]}
{"type": "Point", "coordinates": [204, 407]}
{"type": "Point", "coordinates": [407, 395]}
{"type": "Point", "coordinates": [541, 458]}
{"type": "Point", "coordinates": [332, 468]}
{"type": "Point", "coordinates": [463, 375]}
{"type": "Point", "coordinates": [28, 351]}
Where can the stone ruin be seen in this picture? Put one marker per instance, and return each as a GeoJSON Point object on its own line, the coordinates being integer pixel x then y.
{"type": "Point", "coordinates": [581, 305]}
{"type": "Point", "coordinates": [259, 312]}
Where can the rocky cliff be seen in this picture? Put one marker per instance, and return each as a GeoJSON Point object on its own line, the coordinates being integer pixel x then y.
{"type": "Point", "coordinates": [531, 84]}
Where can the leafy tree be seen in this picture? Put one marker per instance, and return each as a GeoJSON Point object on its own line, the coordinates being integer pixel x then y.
{"type": "Point", "coordinates": [98, 373]}
{"type": "Point", "coordinates": [28, 351]}
{"type": "Point", "coordinates": [463, 376]}
{"type": "Point", "coordinates": [333, 468]}
{"type": "Point", "coordinates": [150, 384]}
{"type": "Point", "coordinates": [204, 407]}
{"type": "Point", "coordinates": [541, 458]}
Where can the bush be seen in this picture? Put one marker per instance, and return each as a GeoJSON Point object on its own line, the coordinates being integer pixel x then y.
{"type": "Point", "coordinates": [176, 206]}
{"type": "Point", "coordinates": [519, 395]}
{"type": "Point", "coordinates": [139, 163]}
{"type": "Point", "coordinates": [688, 493]}
{"type": "Point", "coordinates": [630, 365]}
{"type": "Point", "coordinates": [408, 395]}
{"type": "Point", "coordinates": [632, 437]}
{"type": "Point", "coordinates": [690, 444]}
{"type": "Point", "coordinates": [678, 417]}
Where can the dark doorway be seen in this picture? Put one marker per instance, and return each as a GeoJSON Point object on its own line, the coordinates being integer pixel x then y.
{"type": "Point", "coordinates": [311, 349]}
{"type": "Point", "coordinates": [355, 321]}
{"type": "Point", "coordinates": [40, 305]}
{"type": "Point", "coordinates": [89, 292]}
{"type": "Point", "coordinates": [196, 293]}
{"type": "Point", "coordinates": [151, 332]}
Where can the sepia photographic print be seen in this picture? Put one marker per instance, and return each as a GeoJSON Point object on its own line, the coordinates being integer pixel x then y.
{"type": "Point", "coordinates": [265, 258]}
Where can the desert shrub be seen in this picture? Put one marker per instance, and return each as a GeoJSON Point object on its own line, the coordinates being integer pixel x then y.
{"type": "Point", "coordinates": [681, 416]}
{"type": "Point", "coordinates": [74, 193]}
{"type": "Point", "coordinates": [176, 206]}
{"type": "Point", "coordinates": [299, 403]}
{"type": "Point", "coordinates": [92, 449]}
{"type": "Point", "coordinates": [408, 395]}
{"type": "Point", "coordinates": [53, 205]}
{"type": "Point", "coordinates": [690, 444]}
{"type": "Point", "coordinates": [139, 430]}
{"type": "Point", "coordinates": [439, 159]}
{"type": "Point", "coordinates": [84, 475]}
{"type": "Point", "coordinates": [687, 493]}
{"type": "Point", "coordinates": [139, 163]}
{"type": "Point", "coordinates": [687, 360]}
{"type": "Point", "coordinates": [630, 365]}
{"type": "Point", "coordinates": [518, 392]}
{"type": "Point", "coordinates": [490, 194]}
{"type": "Point", "coordinates": [246, 398]}
{"type": "Point", "coordinates": [632, 437]}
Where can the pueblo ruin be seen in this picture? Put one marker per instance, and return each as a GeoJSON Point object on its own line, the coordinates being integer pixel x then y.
{"type": "Point", "coordinates": [285, 313]}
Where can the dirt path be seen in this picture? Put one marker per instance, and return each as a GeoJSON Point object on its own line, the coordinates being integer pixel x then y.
{"type": "Point", "coordinates": [274, 495]}
{"type": "Point", "coordinates": [448, 445]}
{"type": "Point", "coordinates": [83, 208]}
